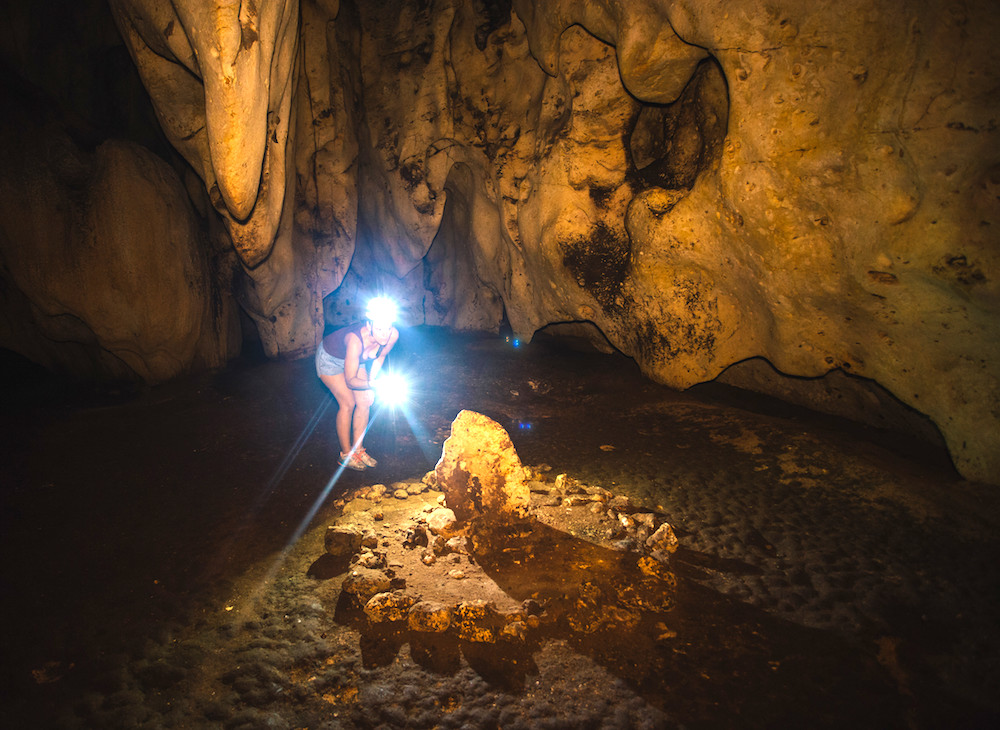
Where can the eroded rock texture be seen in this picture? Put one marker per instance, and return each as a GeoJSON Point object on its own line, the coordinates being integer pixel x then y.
{"type": "Point", "coordinates": [480, 473]}
{"type": "Point", "coordinates": [104, 270]}
{"type": "Point", "coordinates": [701, 182]}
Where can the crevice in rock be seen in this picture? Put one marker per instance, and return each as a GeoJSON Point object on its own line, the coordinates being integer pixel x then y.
{"type": "Point", "coordinates": [838, 393]}
{"type": "Point", "coordinates": [581, 335]}
{"type": "Point", "coordinates": [495, 15]}
{"type": "Point", "coordinates": [671, 144]}
{"type": "Point", "coordinates": [450, 269]}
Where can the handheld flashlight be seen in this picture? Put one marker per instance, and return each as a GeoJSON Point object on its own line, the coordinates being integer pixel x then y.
{"type": "Point", "coordinates": [391, 389]}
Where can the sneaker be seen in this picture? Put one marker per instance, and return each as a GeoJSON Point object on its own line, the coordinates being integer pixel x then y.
{"type": "Point", "coordinates": [351, 461]}
{"type": "Point", "coordinates": [365, 459]}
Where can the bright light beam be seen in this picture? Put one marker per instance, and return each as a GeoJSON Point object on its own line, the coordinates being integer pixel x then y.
{"type": "Point", "coordinates": [290, 457]}
{"type": "Point", "coordinates": [391, 389]}
{"type": "Point", "coordinates": [392, 392]}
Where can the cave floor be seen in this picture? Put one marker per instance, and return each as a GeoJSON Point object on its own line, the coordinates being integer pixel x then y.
{"type": "Point", "coordinates": [160, 549]}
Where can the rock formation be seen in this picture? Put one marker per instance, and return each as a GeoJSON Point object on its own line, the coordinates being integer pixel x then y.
{"type": "Point", "coordinates": [562, 557]}
{"type": "Point", "coordinates": [480, 473]}
{"type": "Point", "coordinates": [117, 279]}
{"type": "Point", "coordinates": [700, 182]}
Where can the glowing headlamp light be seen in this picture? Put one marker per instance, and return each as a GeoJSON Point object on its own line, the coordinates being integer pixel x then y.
{"type": "Point", "coordinates": [391, 389]}
{"type": "Point", "coordinates": [381, 311]}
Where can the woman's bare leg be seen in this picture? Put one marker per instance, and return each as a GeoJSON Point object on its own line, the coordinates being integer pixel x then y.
{"type": "Point", "coordinates": [362, 407]}
{"type": "Point", "coordinates": [346, 406]}
{"type": "Point", "coordinates": [363, 400]}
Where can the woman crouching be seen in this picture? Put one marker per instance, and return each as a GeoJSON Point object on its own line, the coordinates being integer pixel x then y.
{"type": "Point", "coordinates": [348, 361]}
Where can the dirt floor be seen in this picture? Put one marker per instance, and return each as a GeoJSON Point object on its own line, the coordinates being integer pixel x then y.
{"type": "Point", "coordinates": [164, 558]}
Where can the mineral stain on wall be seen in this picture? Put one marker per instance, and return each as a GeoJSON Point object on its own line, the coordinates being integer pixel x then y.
{"type": "Point", "coordinates": [600, 264]}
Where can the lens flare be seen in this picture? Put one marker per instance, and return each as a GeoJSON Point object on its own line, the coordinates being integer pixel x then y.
{"type": "Point", "coordinates": [391, 389]}
{"type": "Point", "coordinates": [381, 311]}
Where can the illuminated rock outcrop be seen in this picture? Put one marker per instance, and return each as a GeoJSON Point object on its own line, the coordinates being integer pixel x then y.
{"type": "Point", "coordinates": [702, 182]}
{"type": "Point", "coordinates": [480, 473]}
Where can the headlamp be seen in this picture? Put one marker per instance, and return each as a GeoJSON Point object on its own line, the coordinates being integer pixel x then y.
{"type": "Point", "coordinates": [381, 311]}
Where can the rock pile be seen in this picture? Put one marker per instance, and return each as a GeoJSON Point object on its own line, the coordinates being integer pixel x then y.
{"type": "Point", "coordinates": [532, 552]}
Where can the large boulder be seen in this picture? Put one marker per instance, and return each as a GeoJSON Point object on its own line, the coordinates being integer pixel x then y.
{"type": "Point", "coordinates": [104, 268]}
{"type": "Point", "coordinates": [480, 473]}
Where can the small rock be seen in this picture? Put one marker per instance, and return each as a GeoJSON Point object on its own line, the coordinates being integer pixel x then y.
{"type": "Point", "coordinates": [369, 559]}
{"type": "Point", "coordinates": [437, 545]}
{"type": "Point", "coordinates": [516, 630]}
{"type": "Point", "coordinates": [429, 617]}
{"type": "Point", "coordinates": [620, 502]}
{"type": "Point", "coordinates": [615, 532]}
{"type": "Point", "coordinates": [456, 573]}
{"type": "Point", "coordinates": [415, 537]}
{"type": "Point", "coordinates": [645, 518]}
{"type": "Point", "coordinates": [663, 540]}
{"type": "Point", "coordinates": [365, 583]}
{"type": "Point", "coordinates": [477, 621]}
{"type": "Point", "coordinates": [458, 544]}
{"type": "Point", "coordinates": [625, 545]}
{"type": "Point", "coordinates": [430, 479]}
{"type": "Point", "coordinates": [342, 540]}
{"type": "Point", "coordinates": [442, 522]}
{"type": "Point", "coordinates": [387, 607]}
{"type": "Point", "coordinates": [401, 494]}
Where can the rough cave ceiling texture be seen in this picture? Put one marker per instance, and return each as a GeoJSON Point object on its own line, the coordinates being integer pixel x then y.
{"type": "Point", "coordinates": [704, 181]}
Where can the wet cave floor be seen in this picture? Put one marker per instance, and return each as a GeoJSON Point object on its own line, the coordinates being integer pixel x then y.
{"type": "Point", "coordinates": [161, 548]}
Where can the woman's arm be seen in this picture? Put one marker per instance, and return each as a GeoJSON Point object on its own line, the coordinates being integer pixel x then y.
{"type": "Point", "coordinates": [354, 374]}
{"type": "Point", "coordinates": [378, 361]}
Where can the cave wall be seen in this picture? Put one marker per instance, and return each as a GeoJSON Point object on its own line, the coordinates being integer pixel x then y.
{"type": "Point", "coordinates": [107, 270]}
{"type": "Point", "coordinates": [702, 183]}
{"type": "Point", "coordinates": [710, 182]}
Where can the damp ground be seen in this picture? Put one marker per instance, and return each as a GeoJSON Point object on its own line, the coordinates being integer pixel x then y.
{"type": "Point", "coordinates": [157, 548]}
